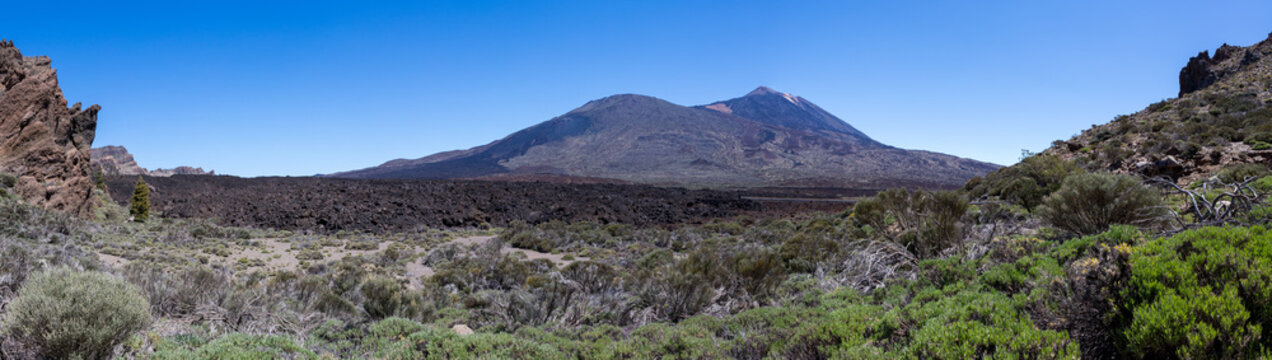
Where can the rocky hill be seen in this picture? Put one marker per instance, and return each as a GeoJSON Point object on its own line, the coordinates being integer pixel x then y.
{"type": "Point", "coordinates": [766, 138]}
{"type": "Point", "coordinates": [116, 160]}
{"type": "Point", "coordinates": [1223, 116]}
{"type": "Point", "coordinates": [44, 143]}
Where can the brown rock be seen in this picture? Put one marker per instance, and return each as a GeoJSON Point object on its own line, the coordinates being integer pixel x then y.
{"type": "Point", "coordinates": [42, 141]}
{"type": "Point", "coordinates": [462, 329]}
{"type": "Point", "coordinates": [182, 170]}
{"type": "Point", "coordinates": [116, 160]}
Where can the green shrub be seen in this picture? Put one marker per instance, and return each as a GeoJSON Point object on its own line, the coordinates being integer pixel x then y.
{"type": "Point", "coordinates": [433, 343]}
{"type": "Point", "coordinates": [394, 328]}
{"type": "Point", "coordinates": [384, 297]}
{"type": "Point", "coordinates": [99, 179]}
{"type": "Point", "coordinates": [362, 244]}
{"type": "Point", "coordinates": [1263, 184]}
{"type": "Point", "coordinates": [236, 346]}
{"type": "Point", "coordinates": [309, 254]}
{"type": "Point", "coordinates": [1159, 106]}
{"type": "Point", "coordinates": [1026, 183]}
{"type": "Point", "coordinates": [8, 181]}
{"type": "Point", "coordinates": [926, 223]}
{"type": "Point", "coordinates": [70, 314]}
{"type": "Point", "coordinates": [1205, 293]}
{"type": "Point", "coordinates": [1258, 137]}
{"type": "Point", "coordinates": [973, 324]}
{"type": "Point", "coordinates": [1240, 172]}
{"type": "Point", "coordinates": [802, 252]}
{"type": "Point", "coordinates": [1090, 203]}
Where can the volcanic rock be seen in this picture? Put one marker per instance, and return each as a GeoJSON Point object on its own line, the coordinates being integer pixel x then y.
{"type": "Point", "coordinates": [116, 160]}
{"type": "Point", "coordinates": [42, 141]}
{"type": "Point", "coordinates": [1203, 70]}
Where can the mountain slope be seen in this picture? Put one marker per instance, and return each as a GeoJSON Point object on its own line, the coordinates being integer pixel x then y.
{"type": "Point", "coordinates": [775, 108]}
{"type": "Point", "coordinates": [763, 138]}
{"type": "Point", "coordinates": [1222, 116]}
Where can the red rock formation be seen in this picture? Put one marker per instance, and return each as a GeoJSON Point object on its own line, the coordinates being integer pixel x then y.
{"type": "Point", "coordinates": [42, 141]}
{"type": "Point", "coordinates": [116, 160]}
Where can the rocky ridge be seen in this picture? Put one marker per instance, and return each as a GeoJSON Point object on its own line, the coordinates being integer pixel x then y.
{"type": "Point", "coordinates": [1223, 116]}
{"type": "Point", "coordinates": [116, 160]}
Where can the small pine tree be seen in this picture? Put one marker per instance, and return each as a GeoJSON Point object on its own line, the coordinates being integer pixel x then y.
{"type": "Point", "coordinates": [139, 207]}
{"type": "Point", "coordinates": [99, 179]}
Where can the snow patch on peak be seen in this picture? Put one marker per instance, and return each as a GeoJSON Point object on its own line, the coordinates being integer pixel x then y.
{"type": "Point", "coordinates": [791, 98]}
{"type": "Point", "coordinates": [765, 90]}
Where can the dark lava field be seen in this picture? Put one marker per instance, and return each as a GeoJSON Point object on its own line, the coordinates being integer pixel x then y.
{"type": "Point", "coordinates": [327, 204]}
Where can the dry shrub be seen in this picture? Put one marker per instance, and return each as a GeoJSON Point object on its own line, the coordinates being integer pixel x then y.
{"type": "Point", "coordinates": [72, 314]}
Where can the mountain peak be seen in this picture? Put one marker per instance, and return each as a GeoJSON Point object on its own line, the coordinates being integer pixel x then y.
{"type": "Point", "coordinates": [619, 100]}
{"type": "Point", "coordinates": [766, 138]}
{"type": "Point", "coordinates": [773, 107]}
{"type": "Point", "coordinates": [764, 90]}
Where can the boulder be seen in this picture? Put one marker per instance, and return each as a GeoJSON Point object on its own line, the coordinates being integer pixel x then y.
{"type": "Point", "coordinates": [1168, 167]}
{"type": "Point", "coordinates": [462, 329]}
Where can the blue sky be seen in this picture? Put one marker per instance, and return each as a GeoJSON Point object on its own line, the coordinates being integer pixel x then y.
{"type": "Point", "coordinates": [297, 88]}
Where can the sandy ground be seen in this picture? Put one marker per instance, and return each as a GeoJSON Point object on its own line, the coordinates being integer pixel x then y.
{"type": "Point", "coordinates": [278, 255]}
{"type": "Point", "coordinates": [112, 260]}
{"type": "Point", "coordinates": [416, 270]}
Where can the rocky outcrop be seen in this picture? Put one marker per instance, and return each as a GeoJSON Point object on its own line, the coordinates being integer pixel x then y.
{"type": "Point", "coordinates": [1203, 70]}
{"type": "Point", "coordinates": [116, 160]}
{"type": "Point", "coordinates": [1221, 118]}
{"type": "Point", "coordinates": [181, 170]}
{"type": "Point", "coordinates": [42, 141]}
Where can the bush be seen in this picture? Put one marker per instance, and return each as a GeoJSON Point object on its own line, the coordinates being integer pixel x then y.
{"type": "Point", "coordinates": [1026, 183]}
{"type": "Point", "coordinates": [432, 343]}
{"type": "Point", "coordinates": [1241, 172]}
{"type": "Point", "coordinates": [802, 252]}
{"type": "Point", "coordinates": [384, 297]}
{"type": "Point", "coordinates": [976, 325]}
{"type": "Point", "coordinates": [237, 346]}
{"type": "Point", "coordinates": [76, 314]}
{"type": "Point", "coordinates": [1089, 203]}
{"type": "Point", "coordinates": [8, 181]}
{"type": "Point", "coordinates": [926, 223]}
{"type": "Point", "coordinates": [1204, 293]}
